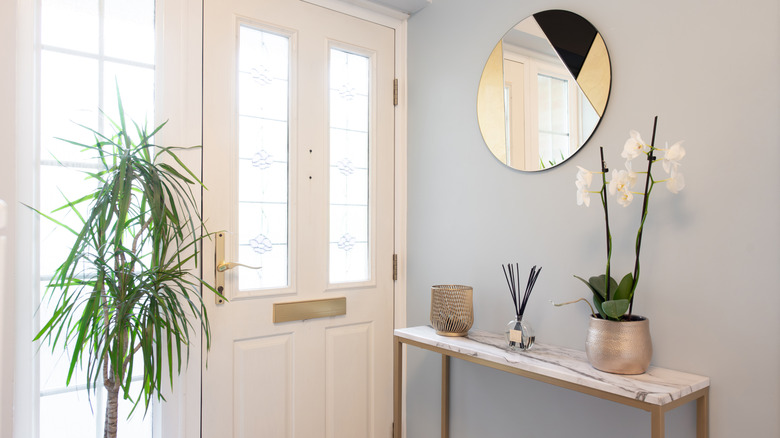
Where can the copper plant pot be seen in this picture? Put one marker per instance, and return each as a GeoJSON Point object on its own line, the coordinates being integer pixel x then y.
{"type": "Point", "coordinates": [619, 347]}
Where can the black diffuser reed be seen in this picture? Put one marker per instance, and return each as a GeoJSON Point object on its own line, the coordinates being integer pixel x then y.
{"type": "Point", "coordinates": [512, 274]}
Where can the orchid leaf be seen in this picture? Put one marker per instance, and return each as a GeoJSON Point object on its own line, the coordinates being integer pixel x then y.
{"type": "Point", "coordinates": [597, 302]}
{"type": "Point", "coordinates": [598, 283]}
{"type": "Point", "coordinates": [594, 290]}
{"type": "Point", "coordinates": [598, 296]}
{"type": "Point", "coordinates": [623, 291]}
{"type": "Point", "coordinates": [614, 309]}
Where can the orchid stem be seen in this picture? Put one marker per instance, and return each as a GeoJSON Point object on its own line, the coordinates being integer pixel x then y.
{"type": "Point", "coordinates": [604, 171]}
{"type": "Point", "coordinates": [650, 160]}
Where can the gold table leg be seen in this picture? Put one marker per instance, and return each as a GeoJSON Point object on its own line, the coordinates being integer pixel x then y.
{"type": "Point", "coordinates": [657, 414]}
{"type": "Point", "coordinates": [702, 415]}
{"type": "Point", "coordinates": [445, 396]}
{"type": "Point", "coordinates": [397, 386]}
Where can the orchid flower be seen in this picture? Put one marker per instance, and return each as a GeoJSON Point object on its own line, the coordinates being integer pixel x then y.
{"type": "Point", "coordinates": [625, 197]}
{"type": "Point", "coordinates": [622, 181]}
{"type": "Point", "coordinates": [632, 176]}
{"type": "Point", "coordinates": [583, 194]}
{"type": "Point", "coordinates": [633, 147]}
{"type": "Point", "coordinates": [585, 175]}
{"type": "Point", "coordinates": [675, 182]}
{"type": "Point", "coordinates": [672, 157]}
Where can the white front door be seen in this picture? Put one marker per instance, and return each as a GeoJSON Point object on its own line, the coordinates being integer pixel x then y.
{"type": "Point", "coordinates": [298, 161]}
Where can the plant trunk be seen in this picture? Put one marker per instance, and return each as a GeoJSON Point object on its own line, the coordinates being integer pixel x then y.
{"type": "Point", "coordinates": [112, 408]}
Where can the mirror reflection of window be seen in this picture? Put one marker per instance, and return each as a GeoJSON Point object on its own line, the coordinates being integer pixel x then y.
{"type": "Point", "coordinates": [555, 134]}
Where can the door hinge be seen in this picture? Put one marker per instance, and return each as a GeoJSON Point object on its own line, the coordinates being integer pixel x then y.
{"type": "Point", "coordinates": [395, 267]}
{"type": "Point", "coordinates": [395, 92]}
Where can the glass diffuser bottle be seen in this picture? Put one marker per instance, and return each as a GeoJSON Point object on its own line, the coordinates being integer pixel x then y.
{"type": "Point", "coordinates": [520, 335]}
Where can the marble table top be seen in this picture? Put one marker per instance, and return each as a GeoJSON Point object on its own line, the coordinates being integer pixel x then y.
{"type": "Point", "coordinates": [658, 386]}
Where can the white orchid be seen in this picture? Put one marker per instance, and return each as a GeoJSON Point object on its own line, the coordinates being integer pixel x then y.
{"type": "Point", "coordinates": [584, 175]}
{"type": "Point", "coordinates": [583, 194]}
{"type": "Point", "coordinates": [632, 176]}
{"type": "Point", "coordinates": [622, 180]}
{"type": "Point", "coordinates": [621, 185]}
{"type": "Point", "coordinates": [633, 147]}
{"type": "Point", "coordinates": [672, 157]}
{"type": "Point", "coordinates": [625, 197]}
{"type": "Point", "coordinates": [675, 182]}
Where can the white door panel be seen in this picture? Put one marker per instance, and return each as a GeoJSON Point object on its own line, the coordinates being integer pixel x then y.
{"type": "Point", "coordinates": [303, 188]}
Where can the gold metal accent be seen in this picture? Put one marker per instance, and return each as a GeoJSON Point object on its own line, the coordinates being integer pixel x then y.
{"type": "Point", "coordinates": [219, 256]}
{"type": "Point", "coordinates": [619, 347]}
{"type": "Point", "coordinates": [490, 103]}
{"type": "Point", "coordinates": [452, 310]}
{"type": "Point", "coordinates": [222, 265]}
{"type": "Point", "coordinates": [445, 395]}
{"type": "Point", "coordinates": [395, 267]}
{"type": "Point", "coordinates": [595, 76]}
{"type": "Point", "coordinates": [657, 412]}
{"type": "Point", "coordinates": [395, 92]}
{"type": "Point", "coordinates": [398, 352]}
{"type": "Point", "coordinates": [302, 310]}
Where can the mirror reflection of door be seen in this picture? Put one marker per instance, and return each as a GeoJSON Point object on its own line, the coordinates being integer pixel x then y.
{"type": "Point", "coordinates": [515, 102]}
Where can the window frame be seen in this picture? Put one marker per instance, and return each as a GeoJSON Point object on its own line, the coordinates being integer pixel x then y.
{"type": "Point", "coordinates": [177, 99]}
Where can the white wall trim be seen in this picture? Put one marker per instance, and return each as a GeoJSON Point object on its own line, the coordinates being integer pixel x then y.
{"type": "Point", "coordinates": [25, 266]}
{"type": "Point", "coordinates": [401, 206]}
{"type": "Point", "coordinates": [364, 10]}
{"type": "Point", "coordinates": [179, 100]}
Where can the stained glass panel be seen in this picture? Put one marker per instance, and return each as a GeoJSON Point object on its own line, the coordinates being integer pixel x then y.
{"type": "Point", "coordinates": [263, 158]}
{"type": "Point", "coordinates": [349, 167]}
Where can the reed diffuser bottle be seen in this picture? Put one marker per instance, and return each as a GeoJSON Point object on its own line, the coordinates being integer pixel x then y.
{"type": "Point", "coordinates": [519, 334]}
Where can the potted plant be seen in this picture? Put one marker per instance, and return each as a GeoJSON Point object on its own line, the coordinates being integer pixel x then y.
{"type": "Point", "coordinates": [124, 298]}
{"type": "Point", "coordinates": [618, 340]}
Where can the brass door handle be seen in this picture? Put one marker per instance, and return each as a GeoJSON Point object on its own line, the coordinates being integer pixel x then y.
{"type": "Point", "coordinates": [222, 265]}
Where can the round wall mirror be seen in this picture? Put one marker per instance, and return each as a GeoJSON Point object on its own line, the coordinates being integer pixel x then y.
{"type": "Point", "coordinates": [544, 90]}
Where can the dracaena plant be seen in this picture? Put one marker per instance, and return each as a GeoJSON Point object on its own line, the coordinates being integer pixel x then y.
{"type": "Point", "coordinates": [615, 300]}
{"type": "Point", "coordinates": [125, 299]}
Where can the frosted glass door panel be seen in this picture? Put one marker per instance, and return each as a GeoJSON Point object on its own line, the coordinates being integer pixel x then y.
{"type": "Point", "coordinates": [349, 257]}
{"type": "Point", "coordinates": [263, 158]}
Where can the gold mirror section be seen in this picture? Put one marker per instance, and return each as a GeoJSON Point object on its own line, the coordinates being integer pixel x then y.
{"type": "Point", "coordinates": [596, 76]}
{"type": "Point", "coordinates": [490, 104]}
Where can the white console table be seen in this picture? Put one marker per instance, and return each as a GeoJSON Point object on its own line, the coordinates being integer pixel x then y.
{"type": "Point", "coordinates": [657, 391]}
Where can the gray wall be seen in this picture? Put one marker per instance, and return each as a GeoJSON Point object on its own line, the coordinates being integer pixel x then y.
{"type": "Point", "coordinates": [710, 278]}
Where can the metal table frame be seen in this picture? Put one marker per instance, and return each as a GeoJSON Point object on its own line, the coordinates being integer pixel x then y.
{"type": "Point", "coordinates": [657, 411]}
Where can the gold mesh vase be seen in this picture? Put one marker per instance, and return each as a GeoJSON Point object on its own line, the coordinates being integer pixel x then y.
{"type": "Point", "coordinates": [452, 311]}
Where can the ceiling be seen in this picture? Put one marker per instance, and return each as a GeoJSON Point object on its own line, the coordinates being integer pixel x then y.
{"type": "Point", "coordinates": [406, 6]}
